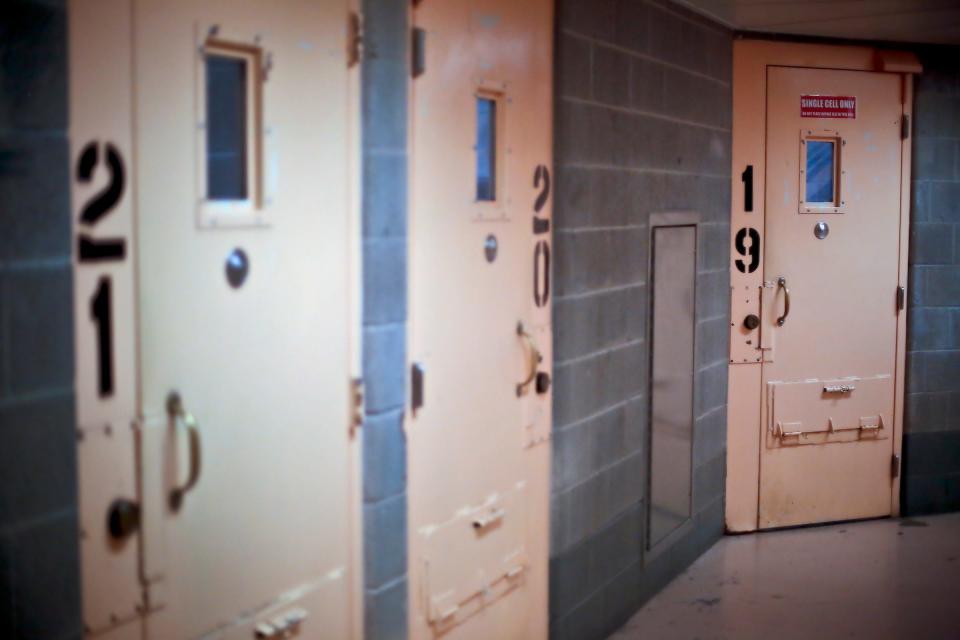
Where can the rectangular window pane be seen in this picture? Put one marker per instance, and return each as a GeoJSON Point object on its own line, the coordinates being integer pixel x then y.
{"type": "Point", "coordinates": [486, 149]}
{"type": "Point", "coordinates": [226, 128]}
{"type": "Point", "coordinates": [820, 171]}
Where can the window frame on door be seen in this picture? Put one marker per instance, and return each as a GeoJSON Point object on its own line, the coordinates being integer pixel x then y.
{"type": "Point", "coordinates": [495, 208]}
{"type": "Point", "coordinates": [241, 212]}
{"type": "Point", "coordinates": [837, 204]}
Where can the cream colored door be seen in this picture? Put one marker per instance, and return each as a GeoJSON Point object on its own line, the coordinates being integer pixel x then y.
{"type": "Point", "coordinates": [480, 251]}
{"type": "Point", "coordinates": [243, 227]}
{"type": "Point", "coordinates": [830, 303]}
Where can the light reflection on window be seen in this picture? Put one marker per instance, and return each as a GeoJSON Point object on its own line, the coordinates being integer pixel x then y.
{"type": "Point", "coordinates": [486, 149]}
{"type": "Point", "coordinates": [226, 127]}
{"type": "Point", "coordinates": [821, 172]}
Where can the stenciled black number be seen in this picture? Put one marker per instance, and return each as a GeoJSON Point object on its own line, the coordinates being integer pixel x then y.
{"type": "Point", "coordinates": [747, 178]}
{"type": "Point", "coordinates": [753, 251]}
{"type": "Point", "coordinates": [541, 265]}
{"type": "Point", "coordinates": [101, 308]}
{"type": "Point", "coordinates": [541, 254]}
{"type": "Point", "coordinates": [541, 180]}
{"type": "Point", "coordinates": [88, 248]}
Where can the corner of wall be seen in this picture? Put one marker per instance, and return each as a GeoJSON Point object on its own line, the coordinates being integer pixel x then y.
{"type": "Point", "coordinates": [931, 442]}
{"type": "Point", "coordinates": [643, 125]}
{"type": "Point", "coordinates": [39, 550]}
{"type": "Point", "coordinates": [384, 78]}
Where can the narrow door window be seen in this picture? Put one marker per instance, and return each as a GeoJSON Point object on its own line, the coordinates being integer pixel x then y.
{"type": "Point", "coordinates": [820, 172]}
{"type": "Point", "coordinates": [230, 88]}
{"type": "Point", "coordinates": [486, 149]}
{"type": "Point", "coordinates": [821, 177]}
{"type": "Point", "coordinates": [227, 116]}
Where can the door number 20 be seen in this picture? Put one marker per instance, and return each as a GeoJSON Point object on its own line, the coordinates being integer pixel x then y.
{"type": "Point", "coordinates": [541, 227]}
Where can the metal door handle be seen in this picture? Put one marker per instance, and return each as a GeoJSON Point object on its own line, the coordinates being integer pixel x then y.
{"type": "Point", "coordinates": [839, 388]}
{"type": "Point", "coordinates": [535, 359]}
{"type": "Point", "coordinates": [176, 412]}
{"type": "Point", "coordinates": [482, 522]}
{"type": "Point", "coordinates": [782, 284]}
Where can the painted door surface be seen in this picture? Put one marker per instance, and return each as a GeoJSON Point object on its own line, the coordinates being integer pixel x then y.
{"type": "Point", "coordinates": [261, 363]}
{"type": "Point", "coordinates": [478, 429]}
{"type": "Point", "coordinates": [829, 325]}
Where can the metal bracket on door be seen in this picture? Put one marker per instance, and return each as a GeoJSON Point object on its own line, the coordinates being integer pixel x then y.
{"type": "Point", "coordinates": [864, 426]}
{"type": "Point", "coordinates": [766, 332]}
{"type": "Point", "coordinates": [839, 388]}
{"type": "Point", "coordinates": [354, 39]}
{"type": "Point", "coordinates": [486, 520]}
{"type": "Point", "coordinates": [356, 404]}
{"type": "Point", "coordinates": [418, 52]}
{"type": "Point", "coordinates": [416, 387]}
{"type": "Point", "coordinates": [286, 625]}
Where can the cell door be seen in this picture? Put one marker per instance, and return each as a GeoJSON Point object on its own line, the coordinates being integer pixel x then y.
{"type": "Point", "coordinates": [480, 337]}
{"type": "Point", "coordinates": [830, 295]}
{"type": "Point", "coordinates": [243, 226]}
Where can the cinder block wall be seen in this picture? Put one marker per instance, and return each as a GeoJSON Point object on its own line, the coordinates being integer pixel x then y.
{"type": "Point", "coordinates": [39, 565]}
{"type": "Point", "coordinates": [384, 78]}
{"type": "Point", "coordinates": [643, 124]}
{"type": "Point", "coordinates": [931, 445]}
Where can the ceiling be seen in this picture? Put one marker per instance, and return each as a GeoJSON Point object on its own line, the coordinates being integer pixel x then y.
{"type": "Point", "coordinates": [929, 21]}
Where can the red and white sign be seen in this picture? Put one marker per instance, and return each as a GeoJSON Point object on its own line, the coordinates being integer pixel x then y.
{"type": "Point", "coordinates": [828, 106]}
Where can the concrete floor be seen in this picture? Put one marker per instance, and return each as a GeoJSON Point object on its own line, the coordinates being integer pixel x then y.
{"type": "Point", "coordinates": [877, 579]}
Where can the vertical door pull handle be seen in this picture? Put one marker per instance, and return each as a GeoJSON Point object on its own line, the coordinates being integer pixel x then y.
{"type": "Point", "coordinates": [535, 359]}
{"type": "Point", "coordinates": [177, 413]}
{"type": "Point", "coordinates": [782, 284]}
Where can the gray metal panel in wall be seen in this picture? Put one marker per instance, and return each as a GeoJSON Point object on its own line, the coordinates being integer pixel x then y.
{"type": "Point", "coordinates": [642, 126]}
{"type": "Point", "coordinates": [674, 273]}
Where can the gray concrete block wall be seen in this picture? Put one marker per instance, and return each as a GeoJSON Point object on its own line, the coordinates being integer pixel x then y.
{"type": "Point", "coordinates": [384, 78]}
{"type": "Point", "coordinates": [39, 564]}
{"type": "Point", "coordinates": [643, 119]}
{"type": "Point", "coordinates": [931, 447]}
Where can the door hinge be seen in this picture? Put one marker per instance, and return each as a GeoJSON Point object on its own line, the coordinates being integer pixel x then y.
{"type": "Point", "coordinates": [418, 52]}
{"type": "Point", "coordinates": [901, 298]}
{"type": "Point", "coordinates": [905, 127]}
{"type": "Point", "coordinates": [356, 404]}
{"type": "Point", "coordinates": [354, 39]}
{"type": "Point", "coordinates": [416, 387]}
{"type": "Point", "coordinates": [895, 466]}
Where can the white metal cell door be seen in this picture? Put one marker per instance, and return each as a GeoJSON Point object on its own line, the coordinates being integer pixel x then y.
{"type": "Point", "coordinates": [478, 454]}
{"type": "Point", "coordinates": [242, 132]}
{"type": "Point", "coordinates": [830, 296]}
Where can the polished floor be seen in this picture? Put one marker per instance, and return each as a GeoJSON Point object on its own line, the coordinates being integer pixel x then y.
{"type": "Point", "coordinates": [897, 578]}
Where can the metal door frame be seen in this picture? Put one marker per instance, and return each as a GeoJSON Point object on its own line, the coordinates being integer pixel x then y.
{"type": "Point", "coordinates": [751, 58]}
{"type": "Point", "coordinates": [102, 116]}
{"type": "Point", "coordinates": [536, 200]}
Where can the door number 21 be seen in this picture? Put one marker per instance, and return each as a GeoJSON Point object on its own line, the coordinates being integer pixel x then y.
{"type": "Point", "coordinates": [98, 250]}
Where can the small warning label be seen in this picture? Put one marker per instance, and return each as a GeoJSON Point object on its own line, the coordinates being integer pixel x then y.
{"type": "Point", "coordinates": [828, 107]}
